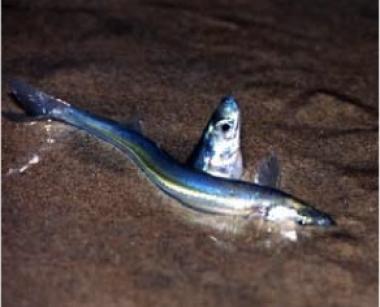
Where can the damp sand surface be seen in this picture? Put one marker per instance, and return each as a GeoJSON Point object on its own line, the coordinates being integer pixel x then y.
{"type": "Point", "coordinates": [82, 227]}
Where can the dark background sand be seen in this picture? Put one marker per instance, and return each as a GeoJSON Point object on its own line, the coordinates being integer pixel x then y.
{"type": "Point", "coordinates": [82, 228]}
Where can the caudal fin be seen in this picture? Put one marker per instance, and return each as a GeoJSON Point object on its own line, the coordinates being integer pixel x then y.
{"type": "Point", "coordinates": [35, 102]}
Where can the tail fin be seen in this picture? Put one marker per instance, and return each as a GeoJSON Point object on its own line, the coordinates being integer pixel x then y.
{"type": "Point", "coordinates": [35, 102]}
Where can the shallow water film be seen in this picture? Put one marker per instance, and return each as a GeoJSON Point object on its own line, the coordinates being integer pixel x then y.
{"type": "Point", "coordinates": [81, 226]}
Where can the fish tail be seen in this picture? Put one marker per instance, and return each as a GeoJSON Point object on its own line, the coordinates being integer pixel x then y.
{"type": "Point", "coordinates": [36, 103]}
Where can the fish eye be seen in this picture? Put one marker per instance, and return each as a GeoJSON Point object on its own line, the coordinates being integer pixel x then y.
{"type": "Point", "coordinates": [225, 127]}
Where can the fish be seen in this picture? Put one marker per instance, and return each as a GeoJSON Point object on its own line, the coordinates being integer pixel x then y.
{"type": "Point", "coordinates": [218, 152]}
{"type": "Point", "coordinates": [190, 187]}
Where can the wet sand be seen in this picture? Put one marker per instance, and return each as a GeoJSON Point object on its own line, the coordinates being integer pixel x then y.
{"type": "Point", "coordinates": [82, 227]}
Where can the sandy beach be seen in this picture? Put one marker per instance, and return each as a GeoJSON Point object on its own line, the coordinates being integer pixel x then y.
{"type": "Point", "coordinates": [81, 226]}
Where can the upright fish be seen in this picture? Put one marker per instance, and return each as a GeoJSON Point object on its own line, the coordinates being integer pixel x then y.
{"type": "Point", "coordinates": [218, 152]}
{"type": "Point", "coordinates": [191, 187]}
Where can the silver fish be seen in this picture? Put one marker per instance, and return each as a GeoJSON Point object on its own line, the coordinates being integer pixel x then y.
{"type": "Point", "coordinates": [189, 186]}
{"type": "Point", "coordinates": [218, 152]}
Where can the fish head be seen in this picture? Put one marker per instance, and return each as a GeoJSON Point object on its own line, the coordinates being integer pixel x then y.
{"type": "Point", "coordinates": [288, 208]}
{"type": "Point", "coordinates": [313, 217]}
{"type": "Point", "coordinates": [308, 215]}
{"type": "Point", "coordinates": [223, 133]}
{"type": "Point", "coordinates": [218, 153]}
{"type": "Point", "coordinates": [225, 122]}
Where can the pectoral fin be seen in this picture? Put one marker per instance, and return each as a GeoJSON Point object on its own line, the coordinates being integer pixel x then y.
{"type": "Point", "coordinates": [268, 172]}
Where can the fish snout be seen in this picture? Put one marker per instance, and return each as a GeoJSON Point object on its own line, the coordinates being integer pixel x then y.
{"type": "Point", "coordinates": [313, 217]}
{"type": "Point", "coordinates": [229, 105]}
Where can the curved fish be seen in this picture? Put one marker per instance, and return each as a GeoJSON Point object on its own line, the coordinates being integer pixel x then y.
{"type": "Point", "coordinates": [218, 152]}
{"type": "Point", "coordinates": [191, 187]}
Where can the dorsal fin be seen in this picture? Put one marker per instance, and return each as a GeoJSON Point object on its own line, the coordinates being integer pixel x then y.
{"type": "Point", "coordinates": [268, 172]}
